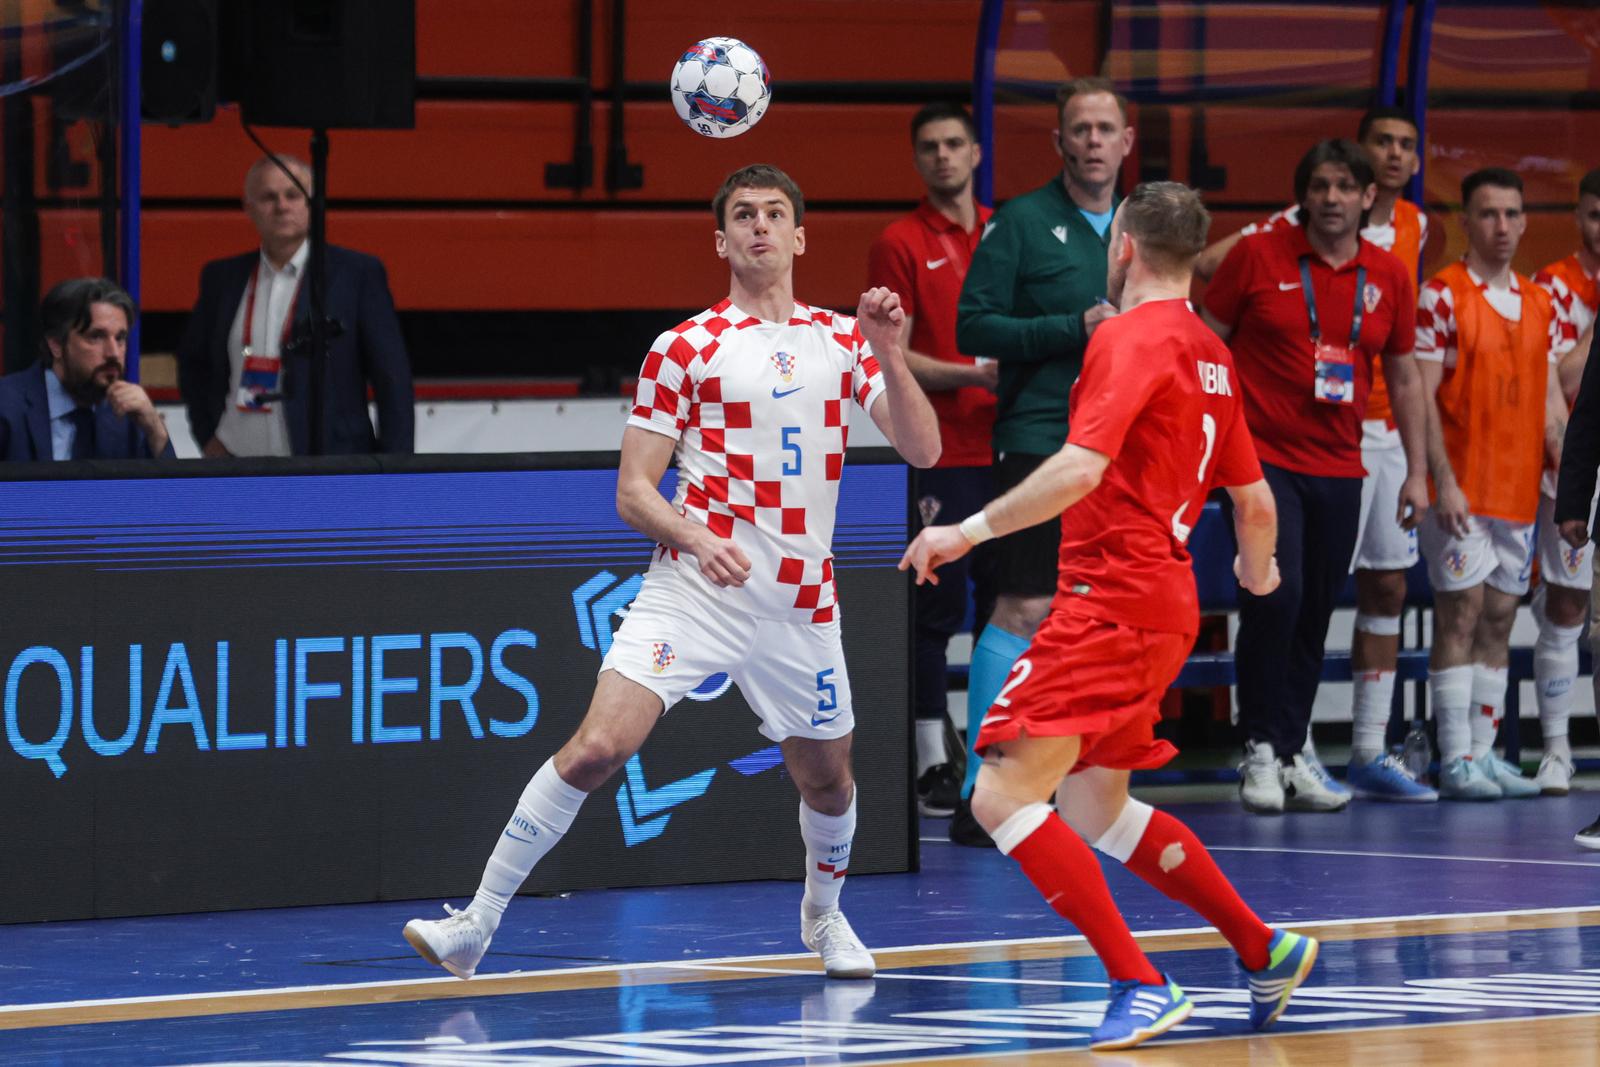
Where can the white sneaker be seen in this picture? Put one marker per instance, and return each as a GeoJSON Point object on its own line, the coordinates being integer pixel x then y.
{"type": "Point", "coordinates": [1514, 785]}
{"type": "Point", "coordinates": [1261, 779]}
{"type": "Point", "coordinates": [456, 943]}
{"type": "Point", "coordinates": [1555, 775]}
{"type": "Point", "coordinates": [1306, 790]}
{"type": "Point", "coordinates": [843, 955]}
{"type": "Point", "coordinates": [1309, 752]}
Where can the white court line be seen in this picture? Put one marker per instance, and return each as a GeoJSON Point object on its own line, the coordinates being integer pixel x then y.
{"type": "Point", "coordinates": [671, 965]}
{"type": "Point", "coordinates": [1401, 856]}
{"type": "Point", "coordinates": [969, 979]}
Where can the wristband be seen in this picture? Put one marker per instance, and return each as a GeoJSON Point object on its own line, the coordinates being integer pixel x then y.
{"type": "Point", "coordinates": [975, 528]}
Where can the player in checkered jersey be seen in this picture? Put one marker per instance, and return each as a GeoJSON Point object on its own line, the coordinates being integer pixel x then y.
{"type": "Point", "coordinates": [1565, 569]}
{"type": "Point", "coordinates": [753, 397]}
{"type": "Point", "coordinates": [1156, 423]}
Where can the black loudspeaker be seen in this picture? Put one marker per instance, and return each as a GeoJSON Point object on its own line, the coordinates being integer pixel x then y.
{"type": "Point", "coordinates": [179, 61]}
{"type": "Point", "coordinates": [328, 64]}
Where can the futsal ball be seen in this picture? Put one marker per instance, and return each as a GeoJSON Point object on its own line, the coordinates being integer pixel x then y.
{"type": "Point", "coordinates": [720, 87]}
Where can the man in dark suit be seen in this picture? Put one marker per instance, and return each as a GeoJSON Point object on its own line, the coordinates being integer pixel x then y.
{"type": "Point", "coordinates": [245, 393]}
{"type": "Point", "coordinates": [74, 403]}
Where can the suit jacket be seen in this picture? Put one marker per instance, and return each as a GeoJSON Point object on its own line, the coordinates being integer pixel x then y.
{"type": "Point", "coordinates": [369, 350]}
{"type": "Point", "coordinates": [25, 423]}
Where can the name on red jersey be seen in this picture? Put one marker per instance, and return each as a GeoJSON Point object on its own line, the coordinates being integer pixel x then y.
{"type": "Point", "coordinates": [1213, 378]}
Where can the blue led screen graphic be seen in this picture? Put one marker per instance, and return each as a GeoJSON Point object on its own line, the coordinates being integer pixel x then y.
{"type": "Point", "coordinates": [225, 692]}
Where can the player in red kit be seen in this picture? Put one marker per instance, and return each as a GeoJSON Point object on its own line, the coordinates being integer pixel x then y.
{"type": "Point", "coordinates": [1156, 423]}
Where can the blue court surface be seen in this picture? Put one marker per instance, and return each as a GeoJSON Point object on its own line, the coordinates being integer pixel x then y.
{"type": "Point", "coordinates": [1433, 918]}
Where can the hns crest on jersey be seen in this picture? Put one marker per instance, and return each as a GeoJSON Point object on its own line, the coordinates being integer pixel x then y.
{"type": "Point", "coordinates": [785, 364]}
{"type": "Point", "coordinates": [1370, 297]}
{"type": "Point", "coordinates": [661, 656]}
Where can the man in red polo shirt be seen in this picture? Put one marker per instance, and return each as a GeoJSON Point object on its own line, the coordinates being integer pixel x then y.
{"type": "Point", "coordinates": [1305, 309]}
{"type": "Point", "coordinates": [924, 258]}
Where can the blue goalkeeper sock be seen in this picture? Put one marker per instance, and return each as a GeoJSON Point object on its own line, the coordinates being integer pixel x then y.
{"type": "Point", "coordinates": [992, 658]}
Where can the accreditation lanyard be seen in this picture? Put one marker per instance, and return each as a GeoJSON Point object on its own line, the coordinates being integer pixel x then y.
{"type": "Point", "coordinates": [258, 378]}
{"type": "Point", "coordinates": [1334, 382]}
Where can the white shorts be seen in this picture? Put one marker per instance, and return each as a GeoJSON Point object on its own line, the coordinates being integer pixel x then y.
{"type": "Point", "coordinates": [1560, 563]}
{"type": "Point", "coordinates": [791, 673]}
{"type": "Point", "coordinates": [1494, 551]}
{"type": "Point", "coordinates": [1381, 545]}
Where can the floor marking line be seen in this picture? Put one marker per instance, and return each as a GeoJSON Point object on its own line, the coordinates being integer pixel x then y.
{"type": "Point", "coordinates": [914, 977]}
{"type": "Point", "coordinates": [1397, 855]}
{"type": "Point", "coordinates": [123, 1009]}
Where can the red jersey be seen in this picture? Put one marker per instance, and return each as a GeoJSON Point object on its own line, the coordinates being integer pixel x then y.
{"type": "Point", "coordinates": [1158, 395]}
{"type": "Point", "coordinates": [924, 257]}
{"type": "Point", "coordinates": [1258, 293]}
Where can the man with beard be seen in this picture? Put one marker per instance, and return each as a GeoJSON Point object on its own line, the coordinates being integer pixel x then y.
{"type": "Point", "coordinates": [1307, 309]}
{"type": "Point", "coordinates": [76, 404]}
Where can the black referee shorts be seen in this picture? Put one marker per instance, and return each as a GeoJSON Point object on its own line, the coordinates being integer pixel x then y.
{"type": "Point", "coordinates": [1026, 561]}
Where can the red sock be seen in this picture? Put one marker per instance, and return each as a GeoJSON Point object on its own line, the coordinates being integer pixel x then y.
{"type": "Point", "coordinates": [1066, 872]}
{"type": "Point", "coordinates": [1173, 860]}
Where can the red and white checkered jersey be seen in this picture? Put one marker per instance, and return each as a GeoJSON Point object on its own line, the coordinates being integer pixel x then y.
{"type": "Point", "coordinates": [1436, 317]}
{"type": "Point", "coordinates": [1574, 291]}
{"type": "Point", "coordinates": [761, 414]}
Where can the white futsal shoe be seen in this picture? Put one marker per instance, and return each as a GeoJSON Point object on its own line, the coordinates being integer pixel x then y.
{"type": "Point", "coordinates": [1261, 779]}
{"type": "Point", "coordinates": [829, 935]}
{"type": "Point", "coordinates": [1305, 789]}
{"type": "Point", "coordinates": [456, 943]}
{"type": "Point", "coordinates": [1555, 775]}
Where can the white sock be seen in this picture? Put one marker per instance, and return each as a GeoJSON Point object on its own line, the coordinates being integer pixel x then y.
{"type": "Point", "coordinates": [1488, 698]}
{"type": "Point", "coordinates": [544, 814]}
{"type": "Point", "coordinates": [1555, 672]}
{"type": "Point", "coordinates": [1450, 690]}
{"type": "Point", "coordinates": [827, 839]}
{"type": "Point", "coordinates": [1374, 696]}
{"type": "Point", "coordinates": [930, 744]}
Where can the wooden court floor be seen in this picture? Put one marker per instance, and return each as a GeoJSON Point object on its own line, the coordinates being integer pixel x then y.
{"type": "Point", "coordinates": [1451, 936]}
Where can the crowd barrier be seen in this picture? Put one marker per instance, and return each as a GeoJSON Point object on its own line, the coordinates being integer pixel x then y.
{"type": "Point", "coordinates": [244, 684]}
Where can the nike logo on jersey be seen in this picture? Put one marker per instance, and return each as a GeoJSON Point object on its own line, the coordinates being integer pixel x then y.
{"type": "Point", "coordinates": [1060, 232]}
{"type": "Point", "coordinates": [1284, 287]}
{"type": "Point", "coordinates": [778, 394]}
{"type": "Point", "coordinates": [935, 264]}
{"type": "Point", "coordinates": [823, 720]}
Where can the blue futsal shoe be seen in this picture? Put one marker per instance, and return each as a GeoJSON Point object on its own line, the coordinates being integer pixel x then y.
{"type": "Point", "coordinates": [1289, 960]}
{"type": "Point", "coordinates": [1139, 1012]}
{"type": "Point", "coordinates": [1385, 778]}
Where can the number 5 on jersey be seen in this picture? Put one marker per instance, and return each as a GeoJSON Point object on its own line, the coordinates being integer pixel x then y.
{"type": "Point", "coordinates": [788, 436]}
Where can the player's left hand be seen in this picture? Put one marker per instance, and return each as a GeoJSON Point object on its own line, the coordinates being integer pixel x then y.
{"type": "Point", "coordinates": [1575, 532]}
{"type": "Point", "coordinates": [934, 547]}
{"type": "Point", "coordinates": [1413, 502]}
{"type": "Point", "coordinates": [880, 316]}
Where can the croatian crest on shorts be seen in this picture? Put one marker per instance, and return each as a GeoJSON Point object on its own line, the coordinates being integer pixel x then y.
{"type": "Point", "coordinates": [1570, 558]}
{"type": "Point", "coordinates": [661, 656]}
{"type": "Point", "coordinates": [1455, 561]}
{"type": "Point", "coordinates": [1370, 297]}
{"type": "Point", "coordinates": [785, 364]}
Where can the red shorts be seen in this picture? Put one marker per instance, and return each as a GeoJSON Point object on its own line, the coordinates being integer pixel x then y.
{"type": "Point", "coordinates": [1101, 681]}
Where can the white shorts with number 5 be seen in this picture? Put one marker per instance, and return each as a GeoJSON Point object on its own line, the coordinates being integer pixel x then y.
{"type": "Point", "coordinates": [792, 674]}
{"type": "Point", "coordinates": [1493, 551]}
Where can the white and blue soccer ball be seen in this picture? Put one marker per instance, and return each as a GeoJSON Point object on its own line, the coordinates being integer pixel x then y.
{"type": "Point", "coordinates": [720, 87]}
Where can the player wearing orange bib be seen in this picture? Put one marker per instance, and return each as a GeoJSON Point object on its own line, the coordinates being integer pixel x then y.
{"type": "Point", "coordinates": [1565, 570]}
{"type": "Point", "coordinates": [1486, 340]}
